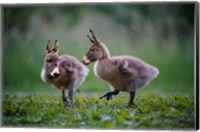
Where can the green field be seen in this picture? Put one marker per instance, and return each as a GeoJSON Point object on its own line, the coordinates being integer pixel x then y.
{"type": "Point", "coordinates": [154, 111]}
{"type": "Point", "coordinates": [136, 29]}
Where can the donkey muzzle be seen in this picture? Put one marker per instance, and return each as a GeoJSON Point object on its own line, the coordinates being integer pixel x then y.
{"type": "Point", "coordinates": [85, 60]}
{"type": "Point", "coordinates": [55, 73]}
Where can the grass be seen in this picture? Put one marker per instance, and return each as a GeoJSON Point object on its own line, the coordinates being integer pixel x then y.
{"type": "Point", "coordinates": [167, 103]}
{"type": "Point", "coordinates": [155, 111]}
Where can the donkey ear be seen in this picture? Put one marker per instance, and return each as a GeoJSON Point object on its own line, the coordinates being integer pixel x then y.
{"type": "Point", "coordinates": [55, 49]}
{"type": "Point", "coordinates": [48, 48]}
{"type": "Point", "coordinates": [91, 40]}
{"type": "Point", "coordinates": [95, 40]}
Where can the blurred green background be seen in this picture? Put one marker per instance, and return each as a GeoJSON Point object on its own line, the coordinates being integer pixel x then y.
{"type": "Point", "coordinates": [161, 34]}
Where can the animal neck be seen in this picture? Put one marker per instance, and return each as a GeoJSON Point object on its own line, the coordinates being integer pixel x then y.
{"type": "Point", "coordinates": [106, 53]}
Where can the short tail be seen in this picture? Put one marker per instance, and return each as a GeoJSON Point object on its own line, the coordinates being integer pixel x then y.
{"type": "Point", "coordinates": [154, 72]}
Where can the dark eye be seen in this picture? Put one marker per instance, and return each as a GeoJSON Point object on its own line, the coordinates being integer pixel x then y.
{"type": "Point", "coordinates": [49, 60]}
{"type": "Point", "coordinates": [92, 50]}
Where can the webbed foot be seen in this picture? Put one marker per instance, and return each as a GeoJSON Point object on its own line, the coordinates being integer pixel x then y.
{"type": "Point", "coordinates": [108, 96]}
{"type": "Point", "coordinates": [131, 105]}
{"type": "Point", "coordinates": [67, 104]}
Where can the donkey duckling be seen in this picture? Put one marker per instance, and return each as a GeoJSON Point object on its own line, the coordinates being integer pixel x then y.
{"type": "Point", "coordinates": [123, 73]}
{"type": "Point", "coordinates": [63, 72]}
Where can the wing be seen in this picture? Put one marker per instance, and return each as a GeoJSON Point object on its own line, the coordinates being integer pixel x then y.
{"type": "Point", "coordinates": [125, 68]}
{"type": "Point", "coordinates": [67, 66]}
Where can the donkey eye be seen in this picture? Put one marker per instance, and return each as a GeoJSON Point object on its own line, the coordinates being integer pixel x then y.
{"type": "Point", "coordinates": [49, 60]}
{"type": "Point", "coordinates": [92, 50]}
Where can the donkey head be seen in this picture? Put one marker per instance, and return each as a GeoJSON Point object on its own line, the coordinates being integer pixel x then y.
{"type": "Point", "coordinates": [95, 52]}
{"type": "Point", "coordinates": [51, 60]}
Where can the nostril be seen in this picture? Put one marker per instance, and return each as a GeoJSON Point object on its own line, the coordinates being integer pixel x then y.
{"type": "Point", "coordinates": [56, 75]}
